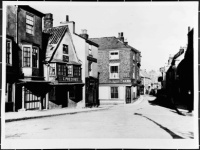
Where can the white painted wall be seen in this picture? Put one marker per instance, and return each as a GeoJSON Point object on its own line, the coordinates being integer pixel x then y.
{"type": "Point", "coordinates": [104, 92]}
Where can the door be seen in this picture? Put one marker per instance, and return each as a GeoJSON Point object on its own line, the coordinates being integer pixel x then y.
{"type": "Point", "coordinates": [128, 94]}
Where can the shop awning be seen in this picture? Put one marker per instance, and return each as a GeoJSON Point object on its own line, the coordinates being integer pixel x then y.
{"type": "Point", "coordinates": [37, 87]}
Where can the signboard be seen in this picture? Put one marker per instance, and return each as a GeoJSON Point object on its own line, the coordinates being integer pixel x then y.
{"type": "Point", "coordinates": [92, 59]}
{"type": "Point", "coordinates": [126, 81]}
{"type": "Point", "coordinates": [68, 79]}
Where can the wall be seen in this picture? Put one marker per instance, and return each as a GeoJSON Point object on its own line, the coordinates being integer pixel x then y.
{"type": "Point", "coordinates": [124, 65]}
{"type": "Point", "coordinates": [59, 52]}
{"type": "Point", "coordinates": [36, 38]}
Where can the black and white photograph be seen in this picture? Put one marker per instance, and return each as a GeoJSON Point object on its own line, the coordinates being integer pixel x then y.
{"type": "Point", "coordinates": [100, 75]}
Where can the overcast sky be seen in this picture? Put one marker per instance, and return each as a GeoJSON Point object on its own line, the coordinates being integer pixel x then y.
{"type": "Point", "coordinates": [155, 29]}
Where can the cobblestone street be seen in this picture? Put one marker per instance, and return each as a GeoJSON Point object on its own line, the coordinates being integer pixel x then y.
{"type": "Point", "coordinates": [138, 120]}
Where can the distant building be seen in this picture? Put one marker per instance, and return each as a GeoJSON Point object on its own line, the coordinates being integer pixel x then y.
{"type": "Point", "coordinates": [119, 65]}
{"type": "Point", "coordinates": [25, 85]}
{"type": "Point", "coordinates": [145, 81]}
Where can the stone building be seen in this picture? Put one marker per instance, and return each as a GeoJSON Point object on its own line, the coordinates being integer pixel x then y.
{"type": "Point", "coordinates": [24, 53]}
{"type": "Point", "coordinates": [119, 65]}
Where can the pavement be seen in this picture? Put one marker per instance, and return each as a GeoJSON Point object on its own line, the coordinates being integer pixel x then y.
{"type": "Point", "coordinates": [32, 114]}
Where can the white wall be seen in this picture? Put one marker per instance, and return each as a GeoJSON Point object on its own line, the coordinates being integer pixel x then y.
{"type": "Point", "coordinates": [104, 92]}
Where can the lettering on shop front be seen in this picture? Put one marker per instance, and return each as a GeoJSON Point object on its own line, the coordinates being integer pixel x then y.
{"type": "Point", "coordinates": [68, 79]}
{"type": "Point", "coordinates": [126, 81]}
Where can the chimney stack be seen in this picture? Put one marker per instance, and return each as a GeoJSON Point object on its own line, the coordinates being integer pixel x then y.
{"type": "Point", "coordinates": [120, 36]}
{"type": "Point", "coordinates": [125, 42]}
{"type": "Point", "coordinates": [84, 34]}
{"type": "Point", "coordinates": [67, 18]}
{"type": "Point", "coordinates": [48, 21]}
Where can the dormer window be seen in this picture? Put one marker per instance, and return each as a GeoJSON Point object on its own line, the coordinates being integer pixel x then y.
{"type": "Point", "coordinates": [114, 55]}
{"type": "Point", "coordinates": [29, 24]}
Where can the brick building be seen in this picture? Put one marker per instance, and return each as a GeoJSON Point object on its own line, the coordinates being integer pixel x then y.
{"type": "Point", "coordinates": [24, 53]}
{"type": "Point", "coordinates": [119, 65]}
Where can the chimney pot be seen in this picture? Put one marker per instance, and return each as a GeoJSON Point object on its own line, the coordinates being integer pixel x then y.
{"type": "Point", "coordinates": [84, 34]}
{"type": "Point", "coordinates": [67, 18]}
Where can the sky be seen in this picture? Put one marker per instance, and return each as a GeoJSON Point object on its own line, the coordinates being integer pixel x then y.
{"type": "Point", "coordinates": [155, 29]}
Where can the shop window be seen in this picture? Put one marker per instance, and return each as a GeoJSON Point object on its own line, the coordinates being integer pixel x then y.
{"type": "Point", "coordinates": [61, 69]}
{"type": "Point", "coordinates": [35, 57]}
{"type": "Point", "coordinates": [29, 24]}
{"type": "Point", "coordinates": [76, 71]}
{"type": "Point", "coordinates": [52, 69]}
{"type": "Point", "coordinates": [70, 70]}
{"type": "Point", "coordinates": [114, 92]}
{"type": "Point", "coordinates": [8, 52]}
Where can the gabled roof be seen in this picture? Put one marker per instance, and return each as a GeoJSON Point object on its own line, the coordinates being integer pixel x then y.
{"type": "Point", "coordinates": [56, 35]}
{"type": "Point", "coordinates": [110, 43]}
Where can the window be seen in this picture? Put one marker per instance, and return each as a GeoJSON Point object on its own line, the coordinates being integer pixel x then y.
{"type": "Point", "coordinates": [114, 92]}
{"type": "Point", "coordinates": [114, 55]}
{"type": "Point", "coordinates": [65, 58]}
{"type": "Point", "coordinates": [8, 51]}
{"type": "Point", "coordinates": [114, 71]}
{"type": "Point", "coordinates": [70, 70]}
{"type": "Point", "coordinates": [35, 57]}
{"type": "Point", "coordinates": [90, 68]}
{"type": "Point", "coordinates": [133, 56]}
{"type": "Point", "coordinates": [61, 69]}
{"type": "Point", "coordinates": [133, 71]}
{"type": "Point", "coordinates": [52, 69]}
{"type": "Point", "coordinates": [65, 53]}
{"type": "Point", "coordinates": [30, 56]}
{"type": "Point", "coordinates": [90, 49]}
{"type": "Point", "coordinates": [77, 71]}
{"type": "Point", "coordinates": [65, 49]}
{"type": "Point", "coordinates": [26, 57]}
{"type": "Point", "coordinates": [29, 24]}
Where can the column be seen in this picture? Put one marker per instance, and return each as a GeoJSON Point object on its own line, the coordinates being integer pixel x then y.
{"type": "Point", "coordinates": [23, 99]}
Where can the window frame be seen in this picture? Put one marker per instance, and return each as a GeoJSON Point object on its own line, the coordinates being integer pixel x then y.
{"type": "Point", "coordinates": [70, 69]}
{"type": "Point", "coordinates": [112, 65]}
{"type": "Point", "coordinates": [114, 57]}
{"type": "Point", "coordinates": [31, 47]}
{"type": "Point", "coordinates": [10, 54]}
{"type": "Point", "coordinates": [90, 49]}
{"type": "Point", "coordinates": [29, 58]}
{"type": "Point", "coordinates": [28, 23]}
{"type": "Point", "coordinates": [115, 93]}
{"type": "Point", "coordinates": [61, 69]}
{"type": "Point", "coordinates": [51, 67]}
{"type": "Point", "coordinates": [37, 57]}
{"type": "Point", "coordinates": [76, 71]}
{"type": "Point", "coordinates": [65, 53]}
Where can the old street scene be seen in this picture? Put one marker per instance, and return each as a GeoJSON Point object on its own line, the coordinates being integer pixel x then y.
{"type": "Point", "coordinates": [118, 72]}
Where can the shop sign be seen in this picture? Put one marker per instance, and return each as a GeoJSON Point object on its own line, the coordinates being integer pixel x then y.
{"type": "Point", "coordinates": [126, 80]}
{"type": "Point", "coordinates": [68, 79]}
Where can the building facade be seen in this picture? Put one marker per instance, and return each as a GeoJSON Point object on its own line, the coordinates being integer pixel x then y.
{"type": "Point", "coordinates": [118, 64]}
{"type": "Point", "coordinates": [24, 53]}
{"type": "Point", "coordinates": [78, 56]}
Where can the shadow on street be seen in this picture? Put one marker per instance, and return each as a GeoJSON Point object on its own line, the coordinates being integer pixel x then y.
{"type": "Point", "coordinates": [163, 101]}
{"type": "Point", "coordinates": [174, 136]}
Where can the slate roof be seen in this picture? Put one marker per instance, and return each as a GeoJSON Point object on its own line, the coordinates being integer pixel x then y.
{"type": "Point", "coordinates": [110, 43]}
